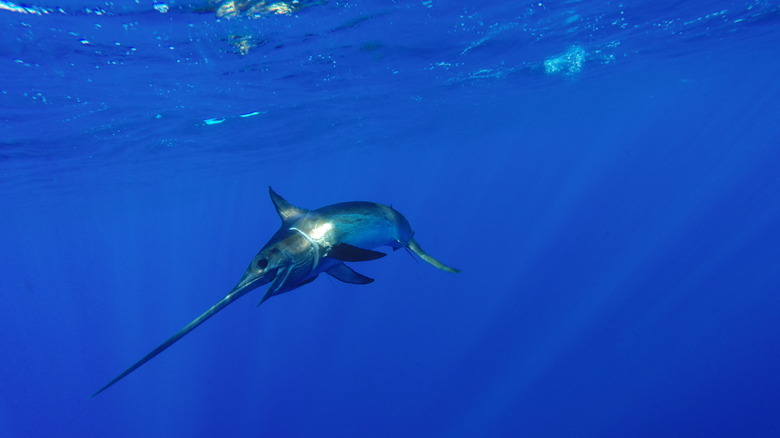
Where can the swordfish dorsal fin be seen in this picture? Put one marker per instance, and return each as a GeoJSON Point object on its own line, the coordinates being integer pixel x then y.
{"type": "Point", "coordinates": [284, 208]}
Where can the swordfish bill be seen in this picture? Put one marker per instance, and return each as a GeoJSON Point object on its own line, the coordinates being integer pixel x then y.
{"type": "Point", "coordinates": [221, 304]}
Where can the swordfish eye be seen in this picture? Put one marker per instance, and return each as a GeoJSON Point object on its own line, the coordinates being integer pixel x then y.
{"type": "Point", "coordinates": [262, 264]}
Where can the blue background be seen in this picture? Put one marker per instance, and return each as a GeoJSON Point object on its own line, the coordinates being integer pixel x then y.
{"type": "Point", "coordinates": [606, 175]}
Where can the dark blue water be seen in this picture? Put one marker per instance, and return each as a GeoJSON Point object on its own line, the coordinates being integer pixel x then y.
{"type": "Point", "coordinates": [606, 175]}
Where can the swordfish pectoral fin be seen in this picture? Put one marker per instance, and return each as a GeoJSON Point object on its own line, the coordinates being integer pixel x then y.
{"type": "Point", "coordinates": [221, 304]}
{"type": "Point", "coordinates": [344, 273]}
{"type": "Point", "coordinates": [349, 253]}
{"type": "Point", "coordinates": [415, 247]}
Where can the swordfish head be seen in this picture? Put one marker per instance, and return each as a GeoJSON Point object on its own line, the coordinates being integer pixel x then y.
{"type": "Point", "coordinates": [287, 261]}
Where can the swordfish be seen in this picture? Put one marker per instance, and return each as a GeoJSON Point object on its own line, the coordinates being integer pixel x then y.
{"type": "Point", "coordinates": [308, 243]}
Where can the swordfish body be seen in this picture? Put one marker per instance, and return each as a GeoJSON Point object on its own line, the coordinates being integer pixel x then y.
{"type": "Point", "coordinates": [308, 243]}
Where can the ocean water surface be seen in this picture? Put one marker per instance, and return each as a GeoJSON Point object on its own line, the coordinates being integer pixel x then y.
{"type": "Point", "coordinates": [605, 174]}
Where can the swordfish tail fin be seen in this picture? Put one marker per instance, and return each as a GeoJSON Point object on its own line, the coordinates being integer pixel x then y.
{"type": "Point", "coordinates": [221, 304]}
{"type": "Point", "coordinates": [415, 247]}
